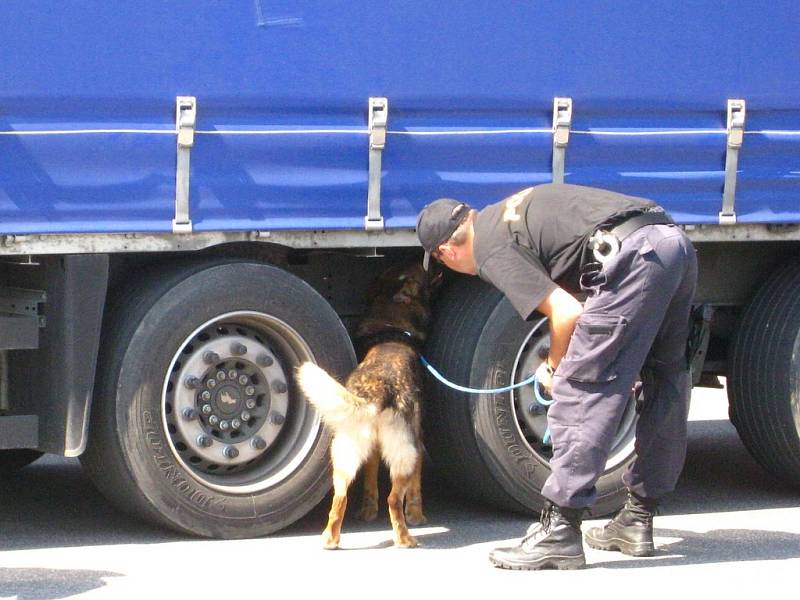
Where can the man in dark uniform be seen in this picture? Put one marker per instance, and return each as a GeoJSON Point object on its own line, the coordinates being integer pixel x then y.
{"type": "Point", "coordinates": [639, 270]}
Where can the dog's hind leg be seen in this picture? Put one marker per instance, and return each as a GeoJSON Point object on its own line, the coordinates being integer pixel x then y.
{"type": "Point", "coordinates": [348, 452]}
{"type": "Point", "coordinates": [333, 531]}
{"type": "Point", "coordinates": [402, 537]}
{"type": "Point", "coordinates": [414, 515]}
{"type": "Point", "coordinates": [369, 505]}
{"type": "Point", "coordinates": [400, 453]}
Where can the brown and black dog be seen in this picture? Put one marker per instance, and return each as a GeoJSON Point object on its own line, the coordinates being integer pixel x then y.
{"type": "Point", "coordinates": [378, 410]}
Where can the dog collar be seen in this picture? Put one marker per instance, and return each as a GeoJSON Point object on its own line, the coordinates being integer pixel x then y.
{"type": "Point", "coordinates": [390, 334]}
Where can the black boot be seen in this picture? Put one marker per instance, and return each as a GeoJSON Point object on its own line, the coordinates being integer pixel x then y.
{"type": "Point", "coordinates": [630, 532]}
{"type": "Point", "coordinates": [554, 542]}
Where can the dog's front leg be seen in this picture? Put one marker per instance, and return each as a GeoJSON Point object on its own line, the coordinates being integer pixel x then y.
{"type": "Point", "coordinates": [369, 505]}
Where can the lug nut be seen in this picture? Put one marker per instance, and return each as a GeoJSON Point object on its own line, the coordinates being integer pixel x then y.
{"type": "Point", "coordinates": [279, 387]}
{"type": "Point", "coordinates": [223, 425]}
{"type": "Point", "coordinates": [221, 375]}
{"type": "Point", "coordinates": [245, 416]}
{"type": "Point", "coordinates": [213, 419]}
{"type": "Point", "coordinates": [250, 390]}
{"type": "Point", "coordinates": [206, 395]}
{"type": "Point", "coordinates": [192, 382]}
{"type": "Point", "coordinates": [206, 409]}
{"type": "Point", "coordinates": [238, 349]}
{"type": "Point", "coordinates": [251, 404]}
{"type": "Point", "coordinates": [242, 379]}
{"type": "Point", "coordinates": [232, 375]}
{"type": "Point", "coordinates": [258, 443]}
{"type": "Point", "coordinates": [210, 357]}
{"type": "Point", "coordinates": [264, 360]}
{"type": "Point", "coordinates": [189, 414]}
{"type": "Point", "coordinates": [204, 440]}
{"type": "Point", "coordinates": [230, 452]}
{"type": "Point", "coordinates": [212, 383]}
{"type": "Point", "coordinates": [276, 418]}
{"type": "Point", "coordinates": [235, 424]}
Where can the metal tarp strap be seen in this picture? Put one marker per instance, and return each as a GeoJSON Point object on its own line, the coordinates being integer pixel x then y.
{"type": "Point", "coordinates": [378, 115]}
{"type": "Point", "coordinates": [185, 121]}
{"type": "Point", "coordinates": [562, 121]}
{"type": "Point", "coordinates": [736, 116]}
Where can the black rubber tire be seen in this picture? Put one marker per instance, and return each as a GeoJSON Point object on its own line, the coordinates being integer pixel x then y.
{"type": "Point", "coordinates": [129, 457]}
{"type": "Point", "coordinates": [12, 461]}
{"type": "Point", "coordinates": [763, 382]}
{"type": "Point", "coordinates": [474, 440]}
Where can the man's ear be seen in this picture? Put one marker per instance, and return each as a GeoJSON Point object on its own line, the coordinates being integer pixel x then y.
{"type": "Point", "coordinates": [447, 250]}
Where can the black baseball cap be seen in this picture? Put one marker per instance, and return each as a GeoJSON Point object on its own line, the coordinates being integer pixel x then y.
{"type": "Point", "coordinates": [437, 222]}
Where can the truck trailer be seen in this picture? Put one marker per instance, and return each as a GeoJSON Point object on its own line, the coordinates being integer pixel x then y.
{"type": "Point", "coordinates": [195, 197]}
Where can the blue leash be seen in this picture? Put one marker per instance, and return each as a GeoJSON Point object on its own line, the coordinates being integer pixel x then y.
{"type": "Point", "coordinates": [530, 380]}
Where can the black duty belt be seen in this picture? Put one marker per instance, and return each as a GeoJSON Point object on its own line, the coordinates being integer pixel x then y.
{"type": "Point", "coordinates": [605, 244]}
{"type": "Point", "coordinates": [628, 226]}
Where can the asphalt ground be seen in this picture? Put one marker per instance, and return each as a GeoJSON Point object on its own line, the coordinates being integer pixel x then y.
{"type": "Point", "coordinates": [729, 529]}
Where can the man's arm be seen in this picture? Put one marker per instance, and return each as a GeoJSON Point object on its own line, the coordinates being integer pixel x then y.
{"type": "Point", "coordinates": [563, 310]}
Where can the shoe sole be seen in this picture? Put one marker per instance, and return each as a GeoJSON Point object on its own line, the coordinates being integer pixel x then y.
{"type": "Point", "coordinates": [561, 563]}
{"type": "Point", "coordinates": [637, 549]}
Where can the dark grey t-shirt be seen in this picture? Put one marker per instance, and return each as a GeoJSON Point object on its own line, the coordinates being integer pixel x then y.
{"type": "Point", "coordinates": [534, 241]}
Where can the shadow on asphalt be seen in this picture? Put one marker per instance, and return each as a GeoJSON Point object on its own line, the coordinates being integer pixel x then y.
{"type": "Point", "coordinates": [49, 584]}
{"type": "Point", "coordinates": [721, 476]}
{"type": "Point", "coordinates": [52, 504]}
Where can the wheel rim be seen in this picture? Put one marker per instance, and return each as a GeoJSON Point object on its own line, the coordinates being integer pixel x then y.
{"type": "Point", "coordinates": [234, 419]}
{"type": "Point", "coordinates": [531, 417]}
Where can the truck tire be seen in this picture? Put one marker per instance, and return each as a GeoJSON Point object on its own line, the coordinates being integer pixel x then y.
{"type": "Point", "coordinates": [490, 446]}
{"type": "Point", "coordinates": [197, 423]}
{"type": "Point", "coordinates": [764, 376]}
{"type": "Point", "coordinates": [12, 461]}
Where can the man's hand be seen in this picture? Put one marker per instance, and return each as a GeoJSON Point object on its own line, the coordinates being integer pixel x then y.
{"type": "Point", "coordinates": [545, 378]}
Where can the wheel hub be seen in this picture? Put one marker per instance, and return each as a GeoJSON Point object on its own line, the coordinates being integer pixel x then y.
{"type": "Point", "coordinates": [233, 400]}
{"type": "Point", "coordinates": [228, 399]}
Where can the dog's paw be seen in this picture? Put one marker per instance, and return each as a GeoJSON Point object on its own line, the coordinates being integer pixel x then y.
{"type": "Point", "coordinates": [330, 542]}
{"type": "Point", "coordinates": [407, 541]}
{"type": "Point", "coordinates": [368, 512]}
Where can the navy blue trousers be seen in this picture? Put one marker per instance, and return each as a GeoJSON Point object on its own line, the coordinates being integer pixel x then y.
{"type": "Point", "coordinates": [635, 323]}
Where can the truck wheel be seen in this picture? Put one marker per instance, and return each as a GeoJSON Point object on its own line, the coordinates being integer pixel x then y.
{"type": "Point", "coordinates": [12, 461]}
{"type": "Point", "coordinates": [764, 377]}
{"type": "Point", "coordinates": [492, 447]}
{"type": "Point", "coordinates": [198, 424]}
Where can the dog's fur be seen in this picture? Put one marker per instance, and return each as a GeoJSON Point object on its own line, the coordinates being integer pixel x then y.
{"type": "Point", "coordinates": [378, 410]}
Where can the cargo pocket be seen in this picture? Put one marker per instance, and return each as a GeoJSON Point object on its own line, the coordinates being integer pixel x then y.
{"type": "Point", "coordinates": [594, 348]}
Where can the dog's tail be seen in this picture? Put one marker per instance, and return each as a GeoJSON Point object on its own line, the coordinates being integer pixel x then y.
{"type": "Point", "coordinates": [330, 397]}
